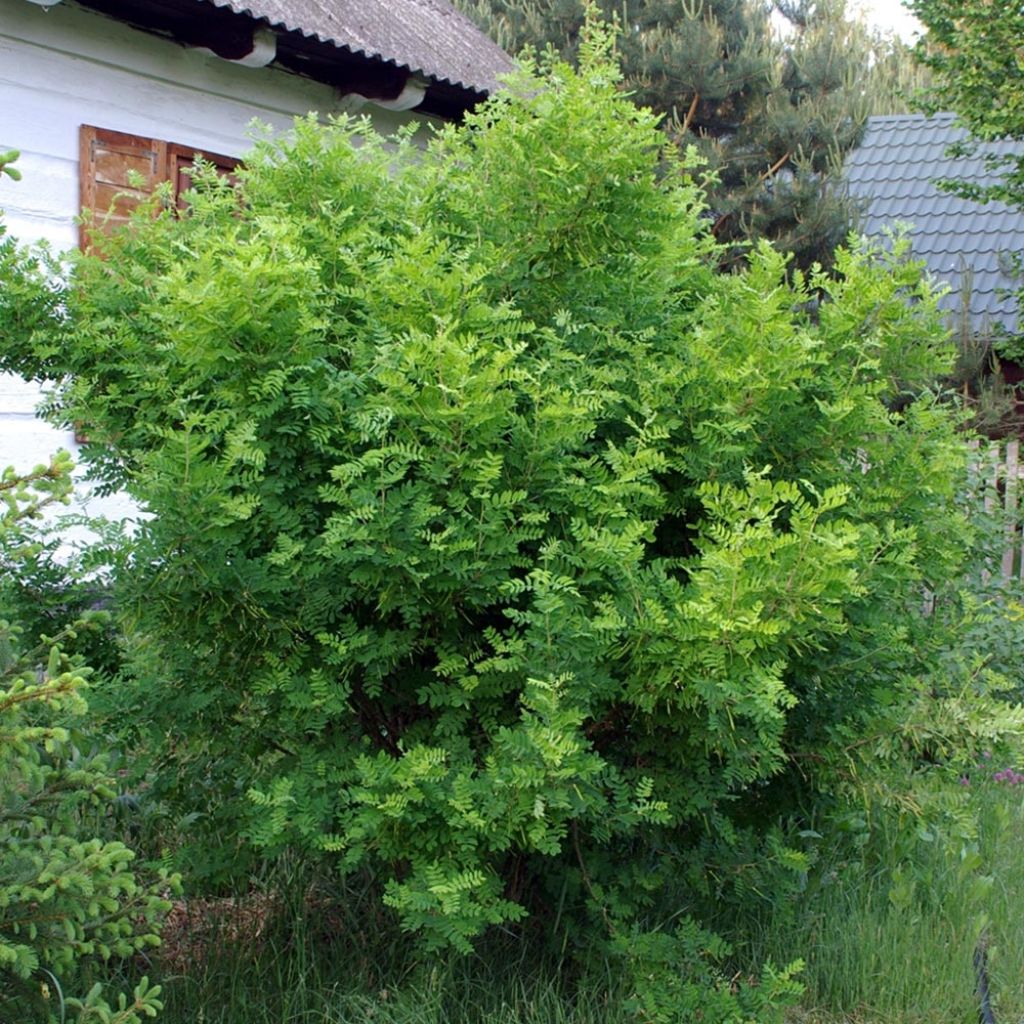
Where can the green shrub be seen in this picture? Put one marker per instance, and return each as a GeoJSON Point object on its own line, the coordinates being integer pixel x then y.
{"type": "Point", "coordinates": [500, 546]}
{"type": "Point", "coordinates": [64, 893]}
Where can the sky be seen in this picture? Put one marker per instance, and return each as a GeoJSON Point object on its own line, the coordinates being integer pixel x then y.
{"type": "Point", "coordinates": [889, 14]}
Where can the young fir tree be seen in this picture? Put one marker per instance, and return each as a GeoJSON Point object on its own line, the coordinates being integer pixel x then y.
{"type": "Point", "coordinates": [68, 892]}
{"type": "Point", "coordinates": [895, 78]}
{"type": "Point", "coordinates": [771, 103]}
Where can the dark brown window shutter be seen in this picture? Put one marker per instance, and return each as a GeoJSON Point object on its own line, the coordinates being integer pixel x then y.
{"type": "Point", "coordinates": [106, 160]}
{"type": "Point", "coordinates": [180, 159]}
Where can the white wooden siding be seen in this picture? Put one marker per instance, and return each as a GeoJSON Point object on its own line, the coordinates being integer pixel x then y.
{"type": "Point", "coordinates": [64, 66]}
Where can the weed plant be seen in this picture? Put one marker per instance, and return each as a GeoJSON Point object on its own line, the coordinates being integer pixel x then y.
{"type": "Point", "coordinates": [889, 933]}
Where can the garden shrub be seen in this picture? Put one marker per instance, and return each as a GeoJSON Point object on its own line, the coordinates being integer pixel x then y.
{"type": "Point", "coordinates": [501, 547]}
{"type": "Point", "coordinates": [65, 892]}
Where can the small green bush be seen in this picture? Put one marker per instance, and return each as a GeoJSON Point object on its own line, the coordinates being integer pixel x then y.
{"type": "Point", "coordinates": [501, 547]}
{"type": "Point", "coordinates": [65, 893]}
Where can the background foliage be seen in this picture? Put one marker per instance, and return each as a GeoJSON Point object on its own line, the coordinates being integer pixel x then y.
{"type": "Point", "coordinates": [973, 52]}
{"type": "Point", "coordinates": [772, 95]}
{"type": "Point", "coordinates": [973, 49]}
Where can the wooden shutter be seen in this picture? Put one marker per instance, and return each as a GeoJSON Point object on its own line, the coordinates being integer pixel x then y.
{"type": "Point", "coordinates": [106, 183]}
{"type": "Point", "coordinates": [180, 159]}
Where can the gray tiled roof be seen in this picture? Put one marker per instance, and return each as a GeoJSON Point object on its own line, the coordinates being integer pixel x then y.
{"type": "Point", "coordinates": [428, 37]}
{"type": "Point", "coordinates": [894, 173]}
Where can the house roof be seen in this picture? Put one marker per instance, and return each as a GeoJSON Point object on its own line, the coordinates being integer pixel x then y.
{"type": "Point", "coordinates": [894, 172]}
{"type": "Point", "coordinates": [428, 37]}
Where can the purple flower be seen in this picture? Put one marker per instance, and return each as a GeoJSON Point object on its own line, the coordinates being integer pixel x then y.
{"type": "Point", "coordinates": [965, 780]}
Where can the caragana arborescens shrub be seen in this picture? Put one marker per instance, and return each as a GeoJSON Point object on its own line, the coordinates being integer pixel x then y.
{"type": "Point", "coordinates": [500, 546]}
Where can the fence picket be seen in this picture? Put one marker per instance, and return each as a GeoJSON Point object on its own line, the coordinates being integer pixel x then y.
{"type": "Point", "coordinates": [1012, 469]}
{"type": "Point", "coordinates": [998, 473]}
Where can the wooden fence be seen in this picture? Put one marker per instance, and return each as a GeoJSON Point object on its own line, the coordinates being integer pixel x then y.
{"type": "Point", "coordinates": [996, 472]}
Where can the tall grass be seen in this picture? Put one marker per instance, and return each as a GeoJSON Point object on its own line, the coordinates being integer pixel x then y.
{"type": "Point", "coordinates": [298, 979]}
{"type": "Point", "coordinates": [888, 935]}
{"type": "Point", "coordinates": [891, 937]}
{"type": "Point", "coordinates": [320, 960]}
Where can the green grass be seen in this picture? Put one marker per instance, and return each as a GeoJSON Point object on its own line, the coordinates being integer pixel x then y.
{"type": "Point", "coordinates": [301, 978]}
{"type": "Point", "coordinates": [888, 937]}
{"type": "Point", "coordinates": [320, 960]}
{"type": "Point", "coordinates": [895, 943]}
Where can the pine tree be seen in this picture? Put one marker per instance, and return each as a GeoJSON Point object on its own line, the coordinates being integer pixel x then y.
{"type": "Point", "coordinates": [895, 78]}
{"type": "Point", "coordinates": [771, 95]}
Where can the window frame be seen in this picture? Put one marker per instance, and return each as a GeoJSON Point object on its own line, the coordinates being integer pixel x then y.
{"type": "Point", "coordinates": [105, 158]}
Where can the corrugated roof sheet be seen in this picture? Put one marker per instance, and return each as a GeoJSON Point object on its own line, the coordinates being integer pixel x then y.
{"type": "Point", "coordinates": [429, 37]}
{"type": "Point", "coordinates": [894, 172]}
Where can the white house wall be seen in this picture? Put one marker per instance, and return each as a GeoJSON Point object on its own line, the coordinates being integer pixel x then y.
{"type": "Point", "coordinates": [64, 66]}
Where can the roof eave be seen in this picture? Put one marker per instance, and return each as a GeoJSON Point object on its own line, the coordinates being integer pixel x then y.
{"type": "Point", "coordinates": [231, 35]}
